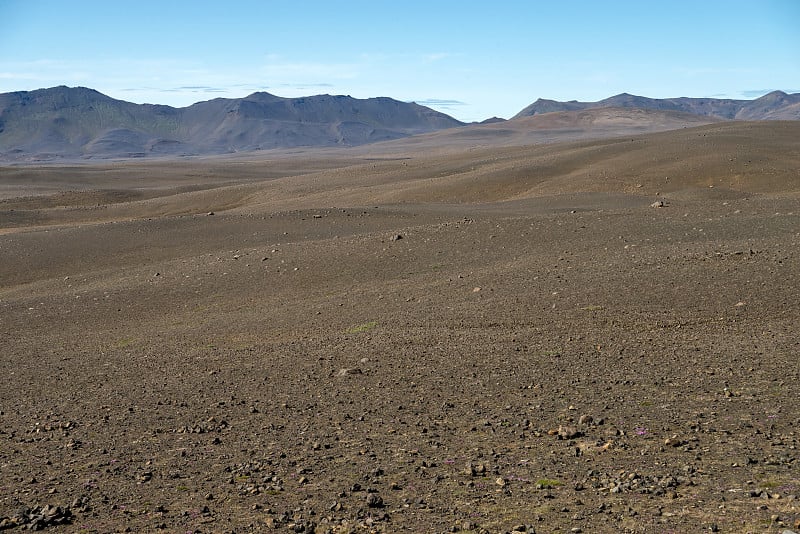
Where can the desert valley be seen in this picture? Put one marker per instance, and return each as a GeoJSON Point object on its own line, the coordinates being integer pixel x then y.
{"type": "Point", "coordinates": [340, 315]}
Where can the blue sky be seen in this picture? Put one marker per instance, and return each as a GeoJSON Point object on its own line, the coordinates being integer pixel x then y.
{"type": "Point", "coordinates": [472, 60]}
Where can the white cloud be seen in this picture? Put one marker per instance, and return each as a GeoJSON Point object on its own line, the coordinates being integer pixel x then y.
{"type": "Point", "coordinates": [431, 58]}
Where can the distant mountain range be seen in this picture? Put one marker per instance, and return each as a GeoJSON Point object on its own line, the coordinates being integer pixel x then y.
{"type": "Point", "coordinates": [64, 122]}
{"type": "Point", "coordinates": [776, 105]}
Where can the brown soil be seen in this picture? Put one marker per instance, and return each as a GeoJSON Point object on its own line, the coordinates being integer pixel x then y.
{"type": "Point", "coordinates": [478, 340]}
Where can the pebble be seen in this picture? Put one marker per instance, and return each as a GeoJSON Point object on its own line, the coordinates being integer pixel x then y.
{"type": "Point", "coordinates": [374, 500]}
{"type": "Point", "coordinates": [567, 432]}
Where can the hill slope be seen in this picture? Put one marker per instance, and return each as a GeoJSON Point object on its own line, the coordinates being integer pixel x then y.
{"type": "Point", "coordinates": [548, 128]}
{"type": "Point", "coordinates": [79, 122]}
{"type": "Point", "coordinates": [776, 105]}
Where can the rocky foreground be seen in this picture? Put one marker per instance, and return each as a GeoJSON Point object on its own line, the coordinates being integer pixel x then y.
{"type": "Point", "coordinates": [596, 362]}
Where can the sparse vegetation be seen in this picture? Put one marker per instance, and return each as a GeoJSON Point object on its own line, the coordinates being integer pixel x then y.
{"type": "Point", "coordinates": [546, 483]}
{"type": "Point", "coordinates": [365, 327]}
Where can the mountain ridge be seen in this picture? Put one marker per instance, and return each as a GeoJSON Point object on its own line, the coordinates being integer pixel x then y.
{"type": "Point", "coordinates": [71, 123]}
{"type": "Point", "coordinates": [79, 122]}
{"type": "Point", "coordinates": [775, 105]}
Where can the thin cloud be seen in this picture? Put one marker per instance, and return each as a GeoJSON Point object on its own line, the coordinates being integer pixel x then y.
{"type": "Point", "coordinates": [438, 56]}
{"type": "Point", "coordinates": [306, 85]}
{"type": "Point", "coordinates": [441, 103]}
{"type": "Point", "coordinates": [202, 89]}
{"type": "Point", "coordinates": [17, 76]}
{"type": "Point", "coordinates": [755, 93]}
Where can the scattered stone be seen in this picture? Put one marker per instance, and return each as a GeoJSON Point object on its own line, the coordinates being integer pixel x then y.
{"type": "Point", "coordinates": [397, 237]}
{"type": "Point", "coordinates": [658, 204]}
{"type": "Point", "coordinates": [585, 420]}
{"type": "Point", "coordinates": [81, 504]}
{"type": "Point", "coordinates": [374, 500]}
{"type": "Point", "coordinates": [567, 432]}
{"type": "Point", "coordinates": [673, 441]}
{"type": "Point", "coordinates": [38, 517]}
{"type": "Point", "coordinates": [210, 213]}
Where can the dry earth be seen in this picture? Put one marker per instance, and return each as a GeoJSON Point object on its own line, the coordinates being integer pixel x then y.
{"type": "Point", "coordinates": [478, 339]}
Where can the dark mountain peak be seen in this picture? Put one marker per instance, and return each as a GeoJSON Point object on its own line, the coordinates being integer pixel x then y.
{"type": "Point", "coordinates": [545, 105]}
{"type": "Point", "coordinates": [262, 96]}
{"type": "Point", "coordinates": [776, 96]}
{"type": "Point", "coordinates": [78, 93]}
{"type": "Point", "coordinates": [61, 96]}
{"type": "Point", "coordinates": [773, 105]}
{"type": "Point", "coordinates": [626, 98]}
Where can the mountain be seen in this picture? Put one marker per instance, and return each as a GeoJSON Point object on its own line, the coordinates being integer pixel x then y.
{"type": "Point", "coordinates": [776, 105]}
{"type": "Point", "coordinates": [65, 122]}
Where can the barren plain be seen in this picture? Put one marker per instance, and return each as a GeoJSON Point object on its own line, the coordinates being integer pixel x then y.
{"type": "Point", "coordinates": [475, 335]}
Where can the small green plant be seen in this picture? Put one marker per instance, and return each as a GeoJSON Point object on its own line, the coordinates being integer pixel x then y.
{"type": "Point", "coordinates": [366, 327]}
{"type": "Point", "coordinates": [547, 483]}
{"type": "Point", "coordinates": [122, 343]}
{"type": "Point", "coordinates": [768, 484]}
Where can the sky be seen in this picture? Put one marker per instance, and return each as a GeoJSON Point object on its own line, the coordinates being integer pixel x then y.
{"type": "Point", "coordinates": [470, 59]}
